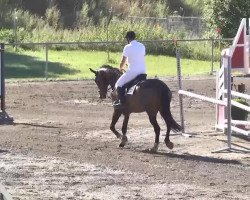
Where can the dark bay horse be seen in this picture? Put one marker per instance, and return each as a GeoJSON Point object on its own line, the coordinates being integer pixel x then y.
{"type": "Point", "coordinates": [151, 96]}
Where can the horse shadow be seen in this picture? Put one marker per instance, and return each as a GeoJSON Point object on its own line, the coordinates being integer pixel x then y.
{"type": "Point", "coordinates": [4, 151]}
{"type": "Point", "coordinates": [36, 125]}
{"type": "Point", "coordinates": [192, 157]}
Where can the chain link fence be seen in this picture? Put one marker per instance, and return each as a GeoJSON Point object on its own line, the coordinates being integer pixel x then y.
{"type": "Point", "coordinates": [192, 26]}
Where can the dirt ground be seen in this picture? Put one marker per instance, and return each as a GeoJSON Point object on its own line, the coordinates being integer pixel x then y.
{"type": "Point", "coordinates": [60, 147]}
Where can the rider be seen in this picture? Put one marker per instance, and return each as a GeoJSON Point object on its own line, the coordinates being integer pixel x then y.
{"type": "Point", "coordinates": [134, 53]}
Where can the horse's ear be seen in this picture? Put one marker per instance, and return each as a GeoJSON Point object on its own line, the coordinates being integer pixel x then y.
{"type": "Point", "coordinates": [95, 72]}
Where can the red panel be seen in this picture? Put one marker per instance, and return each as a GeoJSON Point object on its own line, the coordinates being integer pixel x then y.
{"type": "Point", "coordinates": [221, 115]}
{"type": "Point", "coordinates": [238, 56]}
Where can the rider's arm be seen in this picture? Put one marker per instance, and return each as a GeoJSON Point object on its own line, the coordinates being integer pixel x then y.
{"type": "Point", "coordinates": [122, 64]}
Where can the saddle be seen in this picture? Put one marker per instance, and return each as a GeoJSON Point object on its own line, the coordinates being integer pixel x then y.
{"type": "Point", "coordinates": [131, 85]}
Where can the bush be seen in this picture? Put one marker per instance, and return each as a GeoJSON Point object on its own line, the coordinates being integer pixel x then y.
{"type": "Point", "coordinates": [6, 35]}
{"type": "Point", "coordinates": [238, 113]}
{"type": "Point", "coordinates": [31, 28]}
{"type": "Point", "coordinates": [53, 16]}
{"type": "Point", "coordinates": [226, 15]}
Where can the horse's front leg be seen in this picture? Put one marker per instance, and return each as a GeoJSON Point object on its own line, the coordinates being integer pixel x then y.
{"type": "Point", "coordinates": [124, 131]}
{"type": "Point", "coordinates": [115, 117]}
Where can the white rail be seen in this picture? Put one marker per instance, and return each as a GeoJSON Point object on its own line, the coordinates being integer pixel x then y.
{"type": "Point", "coordinates": [240, 105]}
{"type": "Point", "coordinates": [202, 97]}
{"type": "Point", "coordinates": [239, 122]}
{"type": "Point", "coordinates": [241, 131]}
{"type": "Point", "coordinates": [238, 94]}
{"type": "Point", "coordinates": [4, 195]}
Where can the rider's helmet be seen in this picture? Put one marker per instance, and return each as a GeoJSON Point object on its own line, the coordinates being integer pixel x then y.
{"type": "Point", "coordinates": [130, 35]}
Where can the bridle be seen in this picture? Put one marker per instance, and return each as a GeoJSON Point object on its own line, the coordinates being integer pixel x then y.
{"type": "Point", "coordinates": [117, 74]}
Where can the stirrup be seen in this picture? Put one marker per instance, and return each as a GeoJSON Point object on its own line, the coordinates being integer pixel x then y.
{"type": "Point", "coordinates": [118, 105]}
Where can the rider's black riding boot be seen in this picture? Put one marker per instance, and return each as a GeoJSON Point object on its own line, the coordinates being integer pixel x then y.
{"type": "Point", "coordinates": [121, 98]}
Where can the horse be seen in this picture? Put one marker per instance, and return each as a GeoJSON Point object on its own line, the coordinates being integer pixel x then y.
{"type": "Point", "coordinates": [150, 96]}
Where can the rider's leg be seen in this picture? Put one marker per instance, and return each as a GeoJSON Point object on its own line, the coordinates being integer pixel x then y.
{"type": "Point", "coordinates": [121, 98]}
{"type": "Point", "coordinates": [125, 78]}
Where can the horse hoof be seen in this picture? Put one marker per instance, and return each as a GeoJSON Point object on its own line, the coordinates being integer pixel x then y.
{"type": "Point", "coordinates": [153, 150]}
{"type": "Point", "coordinates": [121, 145]}
{"type": "Point", "coordinates": [170, 145]}
{"type": "Point", "coordinates": [119, 136]}
{"type": "Point", "coordinates": [124, 141]}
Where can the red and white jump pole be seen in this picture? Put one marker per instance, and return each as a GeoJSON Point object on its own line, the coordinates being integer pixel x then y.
{"type": "Point", "coordinates": [222, 93]}
{"type": "Point", "coordinates": [224, 102]}
{"type": "Point", "coordinates": [240, 50]}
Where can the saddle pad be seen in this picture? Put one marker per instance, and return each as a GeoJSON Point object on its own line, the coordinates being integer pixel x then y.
{"type": "Point", "coordinates": [131, 90]}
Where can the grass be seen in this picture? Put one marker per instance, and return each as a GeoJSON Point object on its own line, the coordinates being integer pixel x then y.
{"type": "Point", "coordinates": [75, 64]}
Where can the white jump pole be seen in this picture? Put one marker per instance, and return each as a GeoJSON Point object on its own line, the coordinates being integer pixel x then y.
{"type": "Point", "coordinates": [227, 103]}
{"type": "Point", "coordinates": [4, 194]}
{"type": "Point", "coordinates": [228, 82]}
{"type": "Point", "coordinates": [238, 94]}
{"type": "Point", "coordinates": [202, 97]}
{"type": "Point", "coordinates": [229, 120]}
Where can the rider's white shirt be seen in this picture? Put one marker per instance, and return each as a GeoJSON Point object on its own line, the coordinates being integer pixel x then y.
{"type": "Point", "coordinates": [135, 53]}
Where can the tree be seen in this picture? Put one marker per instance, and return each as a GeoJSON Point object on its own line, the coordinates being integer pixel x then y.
{"type": "Point", "coordinates": [4, 9]}
{"type": "Point", "coordinates": [53, 16]}
{"type": "Point", "coordinates": [225, 15]}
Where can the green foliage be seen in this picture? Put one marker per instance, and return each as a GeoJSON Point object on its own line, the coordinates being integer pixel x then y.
{"type": "Point", "coordinates": [26, 20]}
{"type": "Point", "coordinates": [226, 15]}
{"type": "Point", "coordinates": [83, 19]}
{"type": "Point", "coordinates": [6, 36]}
{"type": "Point", "coordinates": [93, 26]}
{"type": "Point", "coordinates": [53, 16]}
{"type": "Point", "coordinates": [196, 6]}
{"type": "Point", "coordinates": [148, 9]}
{"type": "Point", "coordinates": [4, 10]}
{"type": "Point", "coordinates": [96, 10]}
{"type": "Point", "coordinates": [116, 32]}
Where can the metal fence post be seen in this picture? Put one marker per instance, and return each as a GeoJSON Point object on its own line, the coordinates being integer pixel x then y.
{"type": "Point", "coordinates": [229, 97]}
{"type": "Point", "coordinates": [178, 55]}
{"type": "Point", "coordinates": [2, 79]}
{"type": "Point", "coordinates": [46, 64]}
{"type": "Point", "coordinates": [212, 57]}
{"type": "Point", "coordinates": [108, 22]}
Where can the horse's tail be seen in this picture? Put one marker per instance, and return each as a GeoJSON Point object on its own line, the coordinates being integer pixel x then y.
{"type": "Point", "coordinates": [166, 113]}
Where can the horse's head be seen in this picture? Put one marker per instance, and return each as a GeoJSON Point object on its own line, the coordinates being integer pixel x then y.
{"type": "Point", "coordinates": [101, 81]}
{"type": "Point", "coordinates": [104, 77]}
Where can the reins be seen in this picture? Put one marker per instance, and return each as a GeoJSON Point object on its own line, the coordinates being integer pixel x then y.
{"type": "Point", "coordinates": [117, 74]}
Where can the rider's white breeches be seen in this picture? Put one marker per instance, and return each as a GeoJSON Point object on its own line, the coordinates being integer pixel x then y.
{"type": "Point", "coordinates": [126, 77]}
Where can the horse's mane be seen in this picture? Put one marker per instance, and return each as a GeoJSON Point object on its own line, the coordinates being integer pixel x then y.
{"type": "Point", "coordinates": [116, 70]}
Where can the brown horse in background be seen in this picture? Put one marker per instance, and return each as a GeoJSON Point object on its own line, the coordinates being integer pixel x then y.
{"type": "Point", "coordinates": [151, 96]}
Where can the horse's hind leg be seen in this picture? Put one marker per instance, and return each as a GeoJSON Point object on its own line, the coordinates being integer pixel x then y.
{"type": "Point", "coordinates": [168, 143]}
{"type": "Point", "coordinates": [153, 121]}
{"type": "Point", "coordinates": [115, 117]}
{"type": "Point", "coordinates": [124, 130]}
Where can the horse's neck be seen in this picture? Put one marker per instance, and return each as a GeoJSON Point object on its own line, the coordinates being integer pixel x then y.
{"type": "Point", "coordinates": [113, 78]}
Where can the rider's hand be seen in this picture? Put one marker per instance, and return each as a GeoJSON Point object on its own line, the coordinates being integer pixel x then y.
{"type": "Point", "coordinates": [122, 70]}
